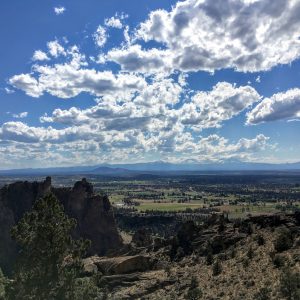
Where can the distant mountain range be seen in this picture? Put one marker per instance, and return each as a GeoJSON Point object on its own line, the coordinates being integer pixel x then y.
{"type": "Point", "coordinates": [155, 168]}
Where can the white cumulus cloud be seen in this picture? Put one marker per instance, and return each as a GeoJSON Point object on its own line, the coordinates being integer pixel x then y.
{"type": "Point", "coordinates": [210, 109]}
{"type": "Point", "coordinates": [100, 36]}
{"type": "Point", "coordinates": [69, 79]}
{"type": "Point", "coordinates": [55, 48]}
{"type": "Point", "coordinates": [59, 10]}
{"type": "Point", "coordinates": [39, 55]}
{"type": "Point", "coordinates": [280, 106]}
{"type": "Point", "coordinates": [21, 115]}
{"type": "Point", "coordinates": [248, 36]}
{"type": "Point", "coordinates": [114, 22]}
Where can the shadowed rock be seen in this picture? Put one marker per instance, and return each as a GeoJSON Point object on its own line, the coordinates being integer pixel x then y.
{"type": "Point", "coordinates": [94, 215]}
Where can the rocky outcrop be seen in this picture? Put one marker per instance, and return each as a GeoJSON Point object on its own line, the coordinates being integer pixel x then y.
{"type": "Point", "coordinates": [275, 220]}
{"type": "Point", "coordinates": [117, 265]}
{"type": "Point", "coordinates": [19, 196]}
{"type": "Point", "coordinates": [94, 215]}
{"type": "Point", "coordinates": [16, 199]}
{"type": "Point", "coordinates": [242, 247]}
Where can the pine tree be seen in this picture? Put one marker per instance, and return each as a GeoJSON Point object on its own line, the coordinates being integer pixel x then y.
{"type": "Point", "coordinates": [49, 259]}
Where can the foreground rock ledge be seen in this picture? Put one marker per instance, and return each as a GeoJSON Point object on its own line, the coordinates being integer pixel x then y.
{"type": "Point", "coordinates": [117, 265]}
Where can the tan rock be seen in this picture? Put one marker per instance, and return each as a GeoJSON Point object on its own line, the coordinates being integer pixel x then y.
{"type": "Point", "coordinates": [118, 265]}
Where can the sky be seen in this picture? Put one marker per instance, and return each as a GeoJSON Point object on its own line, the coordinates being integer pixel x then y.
{"type": "Point", "coordinates": [124, 81]}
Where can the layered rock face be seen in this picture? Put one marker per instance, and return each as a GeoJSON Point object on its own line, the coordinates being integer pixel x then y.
{"type": "Point", "coordinates": [95, 219]}
{"type": "Point", "coordinates": [94, 215]}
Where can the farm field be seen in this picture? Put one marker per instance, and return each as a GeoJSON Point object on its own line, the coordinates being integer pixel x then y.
{"type": "Point", "coordinates": [237, 199]}
{"type": "Point", "coordinates": [235, 195]}
{"type": "Point", "coordinates": [168, 206]}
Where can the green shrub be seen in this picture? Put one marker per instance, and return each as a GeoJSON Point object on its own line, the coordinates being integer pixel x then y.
{"type": "Point", "coordinates": [209, 258]}
{"type": "Point", "coordinates": [194, 294]}
{"type": "Point", "coordinates": [86, 288]}
{"type": "Point", "coordinates": [194, 291]}
{"type": "Point", "coordinates": [278, 261]}
{"type": "Point", "coordinates": [290, 284]}
{"type": "Point", "coordinates": [260, 240]}
{"type": "Point", "coordinates": [233, 253]}
{"type": "Point", "coordinates": [263, 294]}
{"type": "Point", "coordinates": [168, 270]}
{"type": "Point", "coordinates": [246, 262]}
{"type": "Point", "coordinates": [217, 268]}
{"type": "Point", "coordinates": [194, 282]}
{"type": "Point", "coordinates": [283, 241]}
{"type": "Point", "coordinates": [50, 260]}
{"type": "Point", "coordinates": [250, 228]}
{"type": "Point", "coordinates": [250, 253]}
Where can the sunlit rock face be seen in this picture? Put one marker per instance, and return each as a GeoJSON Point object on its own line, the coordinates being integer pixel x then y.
{"type": "Point", "coordinates": [95, 219]}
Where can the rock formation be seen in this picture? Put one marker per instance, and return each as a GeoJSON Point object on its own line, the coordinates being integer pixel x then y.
{"type": "Point", "coordinates": [244, 249]}
{"type": "Point", "coordinates": [95, 219]}
{"type": "Point", "coordinates": [117, 265]}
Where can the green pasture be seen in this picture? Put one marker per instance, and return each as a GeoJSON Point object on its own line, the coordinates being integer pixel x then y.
{"type": "Point", "coordinates": [167, 206]}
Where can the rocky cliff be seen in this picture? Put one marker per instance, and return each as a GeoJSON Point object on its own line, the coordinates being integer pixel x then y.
{"type": "Point", "coordinates": [214, 260]}
{"type": "Point", "coordinates": [94, 215]}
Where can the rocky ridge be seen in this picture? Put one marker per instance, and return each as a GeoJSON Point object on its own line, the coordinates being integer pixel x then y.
{"type": "Point", "coordinates": [94, 215]}
{"type": "Point", "coordinates": [250, 265]}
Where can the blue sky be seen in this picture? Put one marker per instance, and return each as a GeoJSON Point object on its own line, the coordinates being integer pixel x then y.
{"type": "Point", "coordinates": [87, 82]}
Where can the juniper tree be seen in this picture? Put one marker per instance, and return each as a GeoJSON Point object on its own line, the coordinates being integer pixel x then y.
{"type": "Point", "coordinates": [49, 258]}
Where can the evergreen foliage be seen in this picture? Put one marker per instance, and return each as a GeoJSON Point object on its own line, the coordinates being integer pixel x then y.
{"type": "Point", "coordinates": [290, 284]}
{"type": "Point", "coordinates": [49, 259]}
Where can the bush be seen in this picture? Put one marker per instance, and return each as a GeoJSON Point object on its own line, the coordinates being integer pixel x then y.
{"type": "Point", "coordinates": [250, 253]}
{"type": "Point", "coordinates": [278, 261]}
{"type": "Point", "coordinates": [179, 253]}
{"type": "Point", "coordinates": [209, 258]}
{"type": "Point", "coordinates": [263, 294]}
{"type": "Point", "coordinates": [168, 270]}
{"type": "Point", "coordinates": [86, 288]}
{"type": "Point", "coordinates": [260, 240]}
{"type": "Point", "coordinates": [233, 253]}
{"type": "Point", "coordinates": [194, 282]}
{"type": "Point", "coordinates": [194, 292]}
{"type": "Point", "coordinates": [221, 227]}
{"type": "Point", "coordinates": [217, 268]}
{"type": "Point", "coordinates": [246, 263]}
{"type": "Point", "coordinates": [290, 285]}
{"type": "Point", "coordinates": [250, 228]}
{"type": "Point", "coordinates": [283, 241]}
{"type": "Point", "coordinates": [249, 283]}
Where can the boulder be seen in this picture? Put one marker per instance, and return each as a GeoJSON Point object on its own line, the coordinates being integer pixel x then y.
{"type": "Point", "coordinates": [117, 265]}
